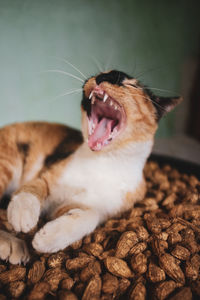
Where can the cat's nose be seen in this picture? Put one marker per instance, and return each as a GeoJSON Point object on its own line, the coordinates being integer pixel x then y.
{"type": "Point", "coordinates": [98, 90]}
{"type": "Point", "coordinates": [100, 93]}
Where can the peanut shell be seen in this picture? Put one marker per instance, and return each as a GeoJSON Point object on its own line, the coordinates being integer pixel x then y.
{"type": "Point", "coordinates": [93, 289]}
{"type": "Point", "coordinates": [155, 273]}
{"type": "Point", "coordinates": [127, 240]}
{"type": "Point", "coordinates": [171, 268]}
{"type": "Point", "coordinates": [78, 262]}
{"type": "Point", "coordinates": [36, 272]}
{"type": "Point", "coordinates": [39, 291]}
{"type": "Point", "coordinates": [138, 292]}
{"type": "Point", "coordinates": [110, 284]}
{"type": "Point", "coordinates": [16, 288]}
{"type": "Point", "coordinates": [56, 260]}
{"type": "Point", "coordinates": [117, 267]}
{"type": "Point", "coordinates": [139, 263]}
{"type": "Point", "coordinates": [164, 289]}
{"type": "Point", "coordinates": [53, 277]}
{"type": "Point", "coordinates": [180, 252]}
{"type": "Point", "coordinates": [67, 283]}
{"type": "Point", "coordinates": [17, 273]}
{"type": "Point", "coordinates": [66, 295]}
{"type": "Point", "coordinates": [124, 284]}
{"type": "Point", "coordinates": [90, 270]}
{"type": "Point", "coordinates": [139, 247]}
{"type": "Point", "coordinates": [94, 249]}
{"type": "Point", "coordinates": [184, 293]}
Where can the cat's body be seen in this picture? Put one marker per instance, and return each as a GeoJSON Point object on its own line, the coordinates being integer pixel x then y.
{"type": "Point", "coordinates": [78, 182]}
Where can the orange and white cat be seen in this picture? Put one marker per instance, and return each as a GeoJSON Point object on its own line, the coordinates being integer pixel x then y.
{"type": "Point", "coordinates": [78, 180]}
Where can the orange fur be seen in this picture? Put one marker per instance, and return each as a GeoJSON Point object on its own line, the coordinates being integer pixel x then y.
{"type": "Point", "coordinates": [40, 138]}
{"type": "Point", "coordinates": [65, 209]}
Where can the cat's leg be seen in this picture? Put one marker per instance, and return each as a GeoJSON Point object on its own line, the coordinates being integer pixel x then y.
{"type": "Point", "coordinates": [13, 249]}
{"type": "Point", "coordinates": [25, 206]}
{"type": "Point", "coordinates": [66, 229]}
{"type": "Point", "coordinates": [10, 166]}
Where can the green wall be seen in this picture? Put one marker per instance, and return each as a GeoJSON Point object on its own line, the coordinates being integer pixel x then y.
{"type": "Point", "coordinates": [147, 38]}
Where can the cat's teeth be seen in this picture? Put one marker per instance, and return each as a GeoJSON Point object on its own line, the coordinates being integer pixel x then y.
{"type": "Point", "coordinates": [111, 103]}
{"type": "Point", "coordinates": [98, 146]}
{"type": "Point", "coordinates": [116, 107]}
{"type": "Point", "coordinates": [115, 131]}
{"type": "Point", "coordinates": [91, 94]}
{"type": "Point", "coordinates": [90, 127]}
{"type": "Point", "coordinates": [93, 100]}
{"type": "Point", "coordinates": [110, 136]}
{"type": "Point", "coordinates": [105, 98]}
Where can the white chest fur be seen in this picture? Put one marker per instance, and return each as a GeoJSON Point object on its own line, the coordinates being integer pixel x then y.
{"type": "Point", "coordinates": [101, 181]}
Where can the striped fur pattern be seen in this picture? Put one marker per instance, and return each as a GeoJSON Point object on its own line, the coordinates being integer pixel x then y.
{"type": "Point", "coordinates": [78, 180]}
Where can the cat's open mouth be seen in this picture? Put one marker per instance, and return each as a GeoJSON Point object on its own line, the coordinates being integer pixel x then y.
{"type": "Point", "coordinates": [106, 121]}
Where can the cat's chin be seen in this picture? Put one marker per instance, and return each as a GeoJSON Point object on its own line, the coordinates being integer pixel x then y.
{"type": "Point", "coordinates": [106, 121]}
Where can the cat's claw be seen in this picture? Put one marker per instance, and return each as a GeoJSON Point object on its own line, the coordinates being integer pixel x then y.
{"type": "Point", "coordinates": [23, 212]}
{"type": "Point", "coordinates": [13, 249]}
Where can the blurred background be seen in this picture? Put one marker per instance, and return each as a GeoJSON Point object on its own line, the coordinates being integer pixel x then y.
{"type": "Point", "coordinates": [158, 42]}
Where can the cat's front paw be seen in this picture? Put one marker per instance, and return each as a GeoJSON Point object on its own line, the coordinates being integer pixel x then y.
{"type": "Point", "coordinates": [23, 211]}
{"type": "Point", "coordinates": [65, 230]}
{"type": "Point", "coordinates": [13, 249]}
{"type": "Point", "coordinates": [52, 237]}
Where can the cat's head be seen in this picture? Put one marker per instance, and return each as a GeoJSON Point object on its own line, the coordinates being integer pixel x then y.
{"type": "Point", "coordinates": [117, 110]}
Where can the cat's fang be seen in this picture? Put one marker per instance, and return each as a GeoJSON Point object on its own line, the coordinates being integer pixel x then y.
{"type": "Point", "coordinates": [91, 94]}
{"type": "Point", "coordinates": [106, 120]}
{"type": "Point", "coordinates": [105, 98]}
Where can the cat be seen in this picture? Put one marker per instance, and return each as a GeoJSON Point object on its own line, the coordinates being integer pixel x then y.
{"type": "Point", "coordinates": [78, 180]}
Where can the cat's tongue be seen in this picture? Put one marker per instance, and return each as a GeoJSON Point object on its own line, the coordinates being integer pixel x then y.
{"type": "Point", "coordinates": [101, 134]}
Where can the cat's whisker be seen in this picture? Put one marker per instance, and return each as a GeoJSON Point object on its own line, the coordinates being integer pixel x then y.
{"type": "Point", "coordinates": [162, 90]}
{"type": "Point", "coordinates": [135, 67]}
{"type": "Point", "coordinates": [63, 72]}
{"type": "Point", "coordinates": [68, 93]}
{"type": "Point", "coordinates": [150, 70]}
{"type": "Point", "coordinates": [158, 105]}
{"type": "Point", "coordinates": [109, 60]}
{"type": "Point", "coordinates": [147, 71]}
{"type": "Point", "coordinates": [152, 88]}
{"type": "Point", "coordinates": [70, 64]}
{"type": "Point", "coordinates": [97, 64]}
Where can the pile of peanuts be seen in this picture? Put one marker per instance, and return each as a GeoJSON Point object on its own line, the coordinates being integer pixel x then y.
{"type": "Point", "coordinates": [150, 252]}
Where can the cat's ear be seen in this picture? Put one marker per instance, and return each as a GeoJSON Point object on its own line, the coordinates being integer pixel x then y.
{"type": "Point", "coordinates": [164, 105]}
